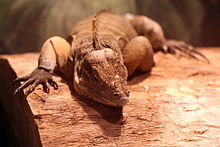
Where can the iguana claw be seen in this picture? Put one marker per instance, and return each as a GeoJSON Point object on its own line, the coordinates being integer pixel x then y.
{"type": "Point", "coordinates": [38, 76]}
{"type": "Point", "coordinates": [181, 48]}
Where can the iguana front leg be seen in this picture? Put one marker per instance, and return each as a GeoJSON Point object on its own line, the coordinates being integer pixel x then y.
{"type": "Point", "coordinates": [154, 32]}
{"type": "Point", "coordinates": [53, 55]}
{"type": "Point", "coordinates": [138, 55]}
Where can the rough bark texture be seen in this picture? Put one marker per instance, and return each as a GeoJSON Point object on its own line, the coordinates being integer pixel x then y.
{"type": "Point", "coordinates": [18, 127]}
{"type": "Point", "coordinates": [176, 105]}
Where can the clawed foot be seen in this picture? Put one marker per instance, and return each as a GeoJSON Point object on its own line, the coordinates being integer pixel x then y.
{"type": "Point", "coordinates": [38, 76]}
{"type": "Point", "coordinates": [180, 48]}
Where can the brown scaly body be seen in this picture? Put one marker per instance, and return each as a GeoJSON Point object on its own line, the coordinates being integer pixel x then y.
{"type": "Point", "coordinates": [102, 30]}
{"type": "Point", "coordinates": [99, 55]}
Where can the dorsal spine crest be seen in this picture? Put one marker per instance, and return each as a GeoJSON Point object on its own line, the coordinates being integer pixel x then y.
{"type": "Point", "coordinates": [96, 44]}
{"type": "Point", "coordinates": [96, 40]}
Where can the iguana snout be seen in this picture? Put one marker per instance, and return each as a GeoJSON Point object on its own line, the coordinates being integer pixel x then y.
{"type": "Point", "coordinates": [120, 91]}
{"type": "Point", "coordinates": [103, 78]}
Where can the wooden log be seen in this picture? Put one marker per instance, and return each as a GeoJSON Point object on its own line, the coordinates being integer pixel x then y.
{"type": "Point", "coordinates": [17, 125]}
{"type": "Point", "coordinates": [176, 105]}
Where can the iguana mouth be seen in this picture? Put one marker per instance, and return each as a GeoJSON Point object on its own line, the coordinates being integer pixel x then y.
{"type": "Point", "coordinates": [122, 101]}
{"type": "Point", "coordinates": [117, 102]}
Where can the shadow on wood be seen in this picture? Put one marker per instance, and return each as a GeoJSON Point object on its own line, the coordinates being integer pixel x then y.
{"type": "Point", "coordinates": [113, 115]}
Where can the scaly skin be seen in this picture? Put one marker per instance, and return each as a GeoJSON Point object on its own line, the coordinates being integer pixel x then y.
{"type": "Point", "coordinates": [98, 56]}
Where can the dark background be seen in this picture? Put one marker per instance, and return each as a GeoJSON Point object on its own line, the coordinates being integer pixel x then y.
{"type": "Point", "coordinates": [26, 24]}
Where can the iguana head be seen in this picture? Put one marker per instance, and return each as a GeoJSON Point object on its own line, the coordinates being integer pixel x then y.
{"type": "Point", "coordinates": [103, 78]}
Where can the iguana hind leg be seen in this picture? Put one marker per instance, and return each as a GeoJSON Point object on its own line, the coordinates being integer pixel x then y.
{"type": "Point", "coordinates": [154, 33]}
{"type": "Point", "coordinates": [138, 55]}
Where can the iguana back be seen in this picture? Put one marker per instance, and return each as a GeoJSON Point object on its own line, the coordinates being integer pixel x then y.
{"type": "Point", "coordinates": [101, 30]}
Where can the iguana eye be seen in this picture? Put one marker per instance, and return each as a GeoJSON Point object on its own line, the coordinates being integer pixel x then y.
{"type": "Point", "coordinates": [116, 94]}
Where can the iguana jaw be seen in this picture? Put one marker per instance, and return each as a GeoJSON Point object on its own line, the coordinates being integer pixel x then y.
{"type": "Point", "coordinates": [120, 102]}
{"type": "Point", "coordinates": [82, 91]}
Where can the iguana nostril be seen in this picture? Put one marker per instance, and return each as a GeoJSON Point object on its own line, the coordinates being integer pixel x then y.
{"type": "Point", "coordinates": [128, 93]}
{"type": "Point", "coordinates": [116, 94]}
